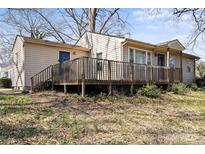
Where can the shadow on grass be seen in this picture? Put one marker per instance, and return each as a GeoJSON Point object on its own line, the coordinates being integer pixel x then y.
{"type": "Point", "coordinates": [10, 131]}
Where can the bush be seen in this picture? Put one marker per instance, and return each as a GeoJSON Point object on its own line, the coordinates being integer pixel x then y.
{"type": "Point", "coordinates": [5, 82]}
{"type": "Point", "coordinates": [179, 88]}
{"type": "Point", "coordinates": [151, 91]}
{"type": "Point", "coordinates": [194, 87]}
{"type": "Point", "coordinates": [200, 82]}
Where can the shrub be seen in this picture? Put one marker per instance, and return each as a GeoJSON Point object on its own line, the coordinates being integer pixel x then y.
{"type": "Point", "coordinates": [194, 87]}
{"type": "Point", "coordinates": [151, 91]}
{"type": "Point", "coordinates": [200, 82]}
{"type": "Point", "coordinates": [179, 88]}
{"type": "Point", "coordinates": [5, 82]}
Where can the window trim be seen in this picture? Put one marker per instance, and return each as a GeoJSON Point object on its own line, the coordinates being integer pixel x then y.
{"type": "Point", "coordinates": [142, 50]}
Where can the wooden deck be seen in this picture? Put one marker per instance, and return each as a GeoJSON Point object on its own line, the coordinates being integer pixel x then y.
{"type": "Point", "coordinates": [90, 71]}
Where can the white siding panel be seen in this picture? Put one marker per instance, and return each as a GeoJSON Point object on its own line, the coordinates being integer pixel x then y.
{"type": "Point", "coordinates": [109, 46]}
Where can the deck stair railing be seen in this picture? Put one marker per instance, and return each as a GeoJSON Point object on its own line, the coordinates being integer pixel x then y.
{"type": "Point", "coordinates": [42, 80]}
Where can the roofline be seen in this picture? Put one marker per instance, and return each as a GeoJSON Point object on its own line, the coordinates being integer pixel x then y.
{"type": "Point", "coordinates": [167, 42]}
{"type": "Point", "coordinates": [121, 37]}
{"type": "Point", "coordinates": [49, 43]}
{"type": "Point", "coordinates": [133, 40]}
{"type": "Point", "coordinates": [191, 56]}
{"type": "Point", "coordinates": [179, 43]}
{"type": "Point", "coordinates": [141, 42]}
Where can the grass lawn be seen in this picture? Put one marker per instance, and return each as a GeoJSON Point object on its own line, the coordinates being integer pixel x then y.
{"type": "Point", "coordinates": [56, 118]}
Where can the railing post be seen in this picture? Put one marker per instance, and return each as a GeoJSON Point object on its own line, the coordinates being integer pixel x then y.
{"type": "Point", "coordinates": [83, 79]}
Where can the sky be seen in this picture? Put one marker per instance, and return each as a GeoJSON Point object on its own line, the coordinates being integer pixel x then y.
{"type": "Point", "coordinates": [161, 27]}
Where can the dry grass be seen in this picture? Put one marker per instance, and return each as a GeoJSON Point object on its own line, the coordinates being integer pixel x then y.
{"type": "Point", "coordinates": [54, 118]}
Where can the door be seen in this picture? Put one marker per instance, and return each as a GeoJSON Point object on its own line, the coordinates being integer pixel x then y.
{"type": "Point", "coordinates": [160, 62]}
{"type": "Point", "coordinates": [63, 56]}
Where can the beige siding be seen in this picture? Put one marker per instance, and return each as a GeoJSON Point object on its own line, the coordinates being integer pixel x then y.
{"type": "Point", "coordinates": [18, 64]}
{"type": "Point", "coordinates": [109, 46]}
{"type": "Point", "coordinates": [38, 57]}
{"type": "Point", "coordinates": [188, 77]}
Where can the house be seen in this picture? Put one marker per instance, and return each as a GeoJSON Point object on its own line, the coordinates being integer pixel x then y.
{"type": "Point", "coordinates": [98, 59]}
{"type": "Point", "coordinates": [6, 71]}
{"type": "Point", "coordinates": [31, 56]}
{"type": "Point", "coordinates": [169, 54]}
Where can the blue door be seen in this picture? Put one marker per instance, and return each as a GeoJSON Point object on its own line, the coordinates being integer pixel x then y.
{"type": "Point", "coordinates": [63, 56]}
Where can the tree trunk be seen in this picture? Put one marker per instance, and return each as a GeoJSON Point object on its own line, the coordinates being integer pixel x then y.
{"type": "Point", "coordinates": [92, 13]}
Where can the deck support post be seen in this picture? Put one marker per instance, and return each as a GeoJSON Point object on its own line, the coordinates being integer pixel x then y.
{"type": "Point", "coordinates": [83, 89]}
{"type": "Point", "coordinates": [131, 89]}
{"type": "Point", "coordinates": [32, 85]}
{"type": "Point", "coordinates": [109, 89]}
{"type": "Point", "coordinates": [65, 89]}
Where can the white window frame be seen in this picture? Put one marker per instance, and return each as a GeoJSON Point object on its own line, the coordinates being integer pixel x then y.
{"type": "Point", "coordinates": [146, 54]}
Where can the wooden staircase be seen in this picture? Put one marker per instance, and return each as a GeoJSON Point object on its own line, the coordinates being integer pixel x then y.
{"type": "Point", "coordinates": [42, 80]}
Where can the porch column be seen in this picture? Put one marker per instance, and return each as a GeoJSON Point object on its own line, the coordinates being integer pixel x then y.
{"type": "Point", "coordinates": [168, 64]}
{"type": "Point", "coordinates": [167, 57]}
{"type": "Point", "coordinates": [181, 68]}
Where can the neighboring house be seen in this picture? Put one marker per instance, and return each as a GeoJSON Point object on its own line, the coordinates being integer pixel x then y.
{"type": "Point", "coordinates": [31, 56]}
{"type": "Point", "coordinates": [6, 71]}
{"type": "Point", "coordinates": [112, 61]}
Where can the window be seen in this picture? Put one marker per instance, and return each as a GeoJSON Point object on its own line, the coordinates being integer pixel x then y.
{"type": "Point", "coordinates": [63, 56]}
{"type": "Point", "coordinates": [139, 57]}
{"type": "Point", "coordinates": [131, 55]}
{"type": "Point", "coordinates": [188, 69]}
{"type": "Point", "coordinates": [149, 58]}
{"type": "Point", "coordinates": [99, 55]}
{"type": "Point", "coordinates": [171, 61]}
{"type": "Point", "coordinates": [99, 61]}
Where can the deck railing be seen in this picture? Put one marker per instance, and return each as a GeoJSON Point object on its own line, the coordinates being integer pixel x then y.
{"type": "Point", "coordinates": [99, 71]}
{"type": "Point", "coordinates": [42, 79]}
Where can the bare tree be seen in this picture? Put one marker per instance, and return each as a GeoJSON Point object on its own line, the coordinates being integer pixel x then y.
{"type": "Point", "coordinates": [63, 25]}
{"type": "Point", "coordinates": [198, 16]}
